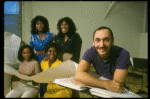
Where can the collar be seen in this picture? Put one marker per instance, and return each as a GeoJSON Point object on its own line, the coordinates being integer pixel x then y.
{"type": "Point", "coordinates": [45, 36]}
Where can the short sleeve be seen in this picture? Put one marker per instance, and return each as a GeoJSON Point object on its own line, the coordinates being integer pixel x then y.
{"type": "Point", "coordinates": [123, 60]}
{"type": "Point", "coordinates": [89, 55]}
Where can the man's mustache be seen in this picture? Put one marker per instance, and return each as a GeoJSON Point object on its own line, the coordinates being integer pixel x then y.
{"type": "Point", "coordinates": [101, 47]}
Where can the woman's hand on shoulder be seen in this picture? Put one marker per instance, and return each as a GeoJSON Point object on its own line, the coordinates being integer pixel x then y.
{"type": "Point", "coordinates": [67, 56]}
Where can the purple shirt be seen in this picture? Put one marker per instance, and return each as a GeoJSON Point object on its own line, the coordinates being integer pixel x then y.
{"type": "Point", "coordinates": [119, 59]}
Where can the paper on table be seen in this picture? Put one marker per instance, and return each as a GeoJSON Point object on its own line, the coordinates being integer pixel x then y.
{"type": "Point", "coordinates": [106, 93]}
{"type": "Point", "coordinates": [95, 91]}
{"type": "Point", "coordinates": [125, 94]}
{"type": "Point", "coordinates": [64, 70]}
{"type": "Point", "coordinates": [67, 83]}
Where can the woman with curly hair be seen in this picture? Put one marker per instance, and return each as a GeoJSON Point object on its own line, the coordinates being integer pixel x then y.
{"type": "Point", "coordinates": [40, 36]}
{"type": "Point", "coordinates": [67, 40]}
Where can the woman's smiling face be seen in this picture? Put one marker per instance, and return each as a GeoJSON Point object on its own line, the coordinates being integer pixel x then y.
{"type": "Point", "coordinates": [39, 26]}
{"type": "Point", "coordinates": [64, 27]}
{"type": "Point", "coordinates": [26, 53]}
{"type": "Point", "coordinates": [52, 53]}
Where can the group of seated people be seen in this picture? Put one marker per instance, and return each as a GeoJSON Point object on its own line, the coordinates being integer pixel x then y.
{"type": "Point", "coordinates": [108, 60]}
{"type": "Point", "coordinates": [29, 66]}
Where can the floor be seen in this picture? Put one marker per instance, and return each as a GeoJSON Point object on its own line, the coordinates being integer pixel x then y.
{"type": "Point", "coordinates": [133, 84]}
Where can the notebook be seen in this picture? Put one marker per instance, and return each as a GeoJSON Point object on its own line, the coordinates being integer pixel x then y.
{"type": "Point", "coordinates": [66, 82]}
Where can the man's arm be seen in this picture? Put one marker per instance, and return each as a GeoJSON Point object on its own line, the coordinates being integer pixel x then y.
{"type": "Point", "coordinates": [115, 85]}
{"type": "Point", "coordinates": [84, 77]}
{"type": "Point", "coordinates": [120, 75]}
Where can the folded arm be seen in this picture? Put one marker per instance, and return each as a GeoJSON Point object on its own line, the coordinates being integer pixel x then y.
{"type": "Point", "coordinates": [83, 76]}
{"type": "Point", "coordinates": [115, 85]}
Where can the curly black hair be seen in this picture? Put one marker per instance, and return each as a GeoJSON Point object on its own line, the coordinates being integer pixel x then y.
{"type": "Point", "coordinates": [20, 57]}
{"type": "Point", "coordinates": [42, 19]}
{"type": "Point", "coordinates": [72, 27]}
{"type": "Point", "coordinates": [49, 45]}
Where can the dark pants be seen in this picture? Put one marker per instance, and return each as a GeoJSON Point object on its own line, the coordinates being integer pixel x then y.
{"type": "Point", "coordinates": [42, 89]}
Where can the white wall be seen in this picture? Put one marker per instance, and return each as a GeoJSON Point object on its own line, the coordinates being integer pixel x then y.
{"type": "Point", "coordinates": [27, 15]}
{"type": "Point", "coordinates": [126, 20]}
{"type": "Point", "coordinates": [143, 46]}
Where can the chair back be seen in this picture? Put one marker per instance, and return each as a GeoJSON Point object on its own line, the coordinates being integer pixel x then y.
{"type": "Point", "coordinates": [131, 60]}
{"type": "Point", "coordinates": [140, 63]}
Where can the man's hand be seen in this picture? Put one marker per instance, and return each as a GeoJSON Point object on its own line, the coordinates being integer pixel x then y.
{"type": "Point", "coordinates": [74, 81]}
{"type": "Point", "coordinates": [114, 86]}
{"type": "Point", "coordinates": [111, 85]}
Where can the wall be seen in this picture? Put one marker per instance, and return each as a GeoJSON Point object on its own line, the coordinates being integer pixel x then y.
{"type": "Point", "coordinates": [143, 53]}
{"type": "Point", "coordinates": [126, 20]}
{"type": "Point", "coordinates": [27, 14]}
